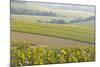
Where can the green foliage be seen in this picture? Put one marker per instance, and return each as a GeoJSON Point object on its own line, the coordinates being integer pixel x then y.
{"type": "Point", "coordinates": [21, 56]}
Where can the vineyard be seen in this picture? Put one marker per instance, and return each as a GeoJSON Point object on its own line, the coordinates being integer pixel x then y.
{"type": "Point", "coordinates": [25, 55]}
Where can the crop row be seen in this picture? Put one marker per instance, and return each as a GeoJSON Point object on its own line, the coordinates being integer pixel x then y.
{"type": "Point", "coordinates": [22, 56]}
{"type": "Point", "coordinates": [69, 31]}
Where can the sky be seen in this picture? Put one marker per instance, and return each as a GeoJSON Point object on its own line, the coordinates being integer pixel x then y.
{"type": "Point", "coordinates": [84, 2]}
{"type": "Point", "coordinates": [77, 7]}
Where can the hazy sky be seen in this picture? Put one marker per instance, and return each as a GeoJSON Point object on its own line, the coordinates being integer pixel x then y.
{"type": "Point", "coordinates": [67, 6]}
{"type": "Point", "coordinates": [88, 2]}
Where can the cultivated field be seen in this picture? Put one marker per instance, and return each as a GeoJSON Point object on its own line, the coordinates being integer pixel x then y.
{"type": "Point", "coordinates": [68, 31]}
{"type": "Point", "coordinates": [44, 40]}
{"type": "Point", "coordinates": [43, 43]}
{"type": "Point", "coordinates": [24, 55]}
{"type": "Point", "coordinates": [44, 33]}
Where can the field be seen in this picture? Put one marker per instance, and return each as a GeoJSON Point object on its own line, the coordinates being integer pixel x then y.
{"type": "Point", "coordinates": [43, 40]}
{"type": "Point", "coordinates": [55, 34]}
{"type": "Point", "coordinates": [71, 31]}
{"type": "Point", "coordinates": [32, 42]}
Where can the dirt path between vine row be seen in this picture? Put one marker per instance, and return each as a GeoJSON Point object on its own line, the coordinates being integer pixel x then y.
{"type": "Point", "coordinates": [43, 40]}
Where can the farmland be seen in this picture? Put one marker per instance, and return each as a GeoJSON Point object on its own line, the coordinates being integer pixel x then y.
{"type": "Point", "coordinates": [70, 31]}
{"type": "Point", "coordinates": [35, 43]}
{"type": "Point", "coordinates": [43, 40]}
{"type": "Point", "coordinates": [25, 55]}
{"type": "Point", "coordinates": [47, 33]}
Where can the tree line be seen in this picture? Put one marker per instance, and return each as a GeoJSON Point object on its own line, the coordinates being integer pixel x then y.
{"type": "Point", "coordinates": [24, 11]}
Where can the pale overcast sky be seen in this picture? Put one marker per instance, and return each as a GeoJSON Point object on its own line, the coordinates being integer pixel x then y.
{"type": "Point", "coordinates": [87, 2]}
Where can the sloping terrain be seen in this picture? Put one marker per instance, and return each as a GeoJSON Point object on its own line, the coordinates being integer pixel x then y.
{"type": "Point", "coordinates": [77, 32]}
{"type": "Point", "coordinates": [44, 40]}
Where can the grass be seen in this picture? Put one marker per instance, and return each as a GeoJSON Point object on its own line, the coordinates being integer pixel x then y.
{"type": "Point", "coordinates": [68, 31]}
{"type": "Point", "coordinates": [25, 55]}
